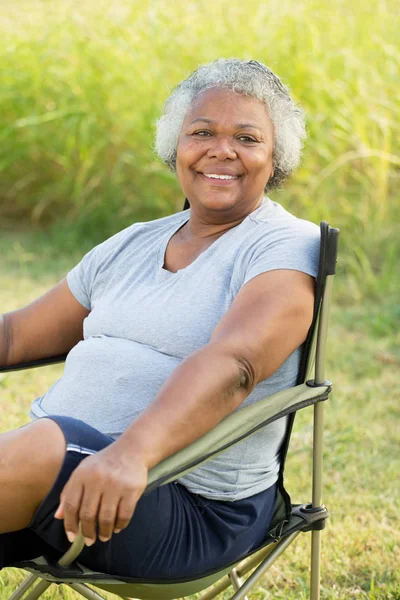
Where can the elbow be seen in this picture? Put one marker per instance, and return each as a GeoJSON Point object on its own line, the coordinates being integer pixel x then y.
{"type": "Point", "coordinates": [247, 378]}
{"type": "Point", "coordinates": [240, 367]}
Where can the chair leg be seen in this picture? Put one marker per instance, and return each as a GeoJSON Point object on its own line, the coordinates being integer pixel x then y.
{"type": "Point", "coordinates": [264, 566]}
{"type": "Point", "coordinates": [25, 585]}
{"type": "Point", "coordinates": [236, 581]}
{"type": "Point", "coordinates": [315, 565]}
{"type": "Point", "coordinates": [85, 591]}
{"type": "Point", "coordinates": [316, 497]}
{"type": "Point", "coordinates": [38, 590]}
{"type": "Point", "coordinates": [219, 587]}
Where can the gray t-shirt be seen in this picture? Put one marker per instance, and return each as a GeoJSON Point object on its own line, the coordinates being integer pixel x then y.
{"type": "Point", "coordinates": [145, 320]}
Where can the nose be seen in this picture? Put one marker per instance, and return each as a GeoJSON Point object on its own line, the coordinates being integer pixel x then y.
{"type": "Point", "coordinates": [221, 148]}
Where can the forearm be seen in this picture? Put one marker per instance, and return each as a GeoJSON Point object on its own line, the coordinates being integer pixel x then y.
{"type": "Point", "coordinates": [205, 388]}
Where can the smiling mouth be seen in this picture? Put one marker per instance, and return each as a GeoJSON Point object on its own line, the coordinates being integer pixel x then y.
{"type": "Point", "coordinates": [219, 178]}
{"type": "Point", "coordinates": [212, 176]}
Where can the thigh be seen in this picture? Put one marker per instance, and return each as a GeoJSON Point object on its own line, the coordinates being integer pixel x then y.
{"type": "Point", "coordinates": [44, 534]}
{"type": "Point", "coordinates": [81, 440]}
{"type": "Point", "coordinates": [22, 545]}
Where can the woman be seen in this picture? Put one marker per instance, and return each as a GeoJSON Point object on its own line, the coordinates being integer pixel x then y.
{"type": "Point", "coordinates": [171, 325]}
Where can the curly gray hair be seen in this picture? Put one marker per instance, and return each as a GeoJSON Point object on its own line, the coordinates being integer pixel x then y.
{"type": "Point", "coordinates": [250, 78]}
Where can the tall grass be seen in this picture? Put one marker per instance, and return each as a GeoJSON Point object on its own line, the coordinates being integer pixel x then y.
{"type": "Point", "coordinates": [83, 82]}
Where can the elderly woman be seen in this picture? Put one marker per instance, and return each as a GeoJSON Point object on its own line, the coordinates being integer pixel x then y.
{"type": "Point", "coordinates": [170, 326]}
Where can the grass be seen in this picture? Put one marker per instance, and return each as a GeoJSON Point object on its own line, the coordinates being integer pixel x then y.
{"type": "Point", "coordinates": [361, 545]}
{"type": "Point", "coordinates": [83, 83]}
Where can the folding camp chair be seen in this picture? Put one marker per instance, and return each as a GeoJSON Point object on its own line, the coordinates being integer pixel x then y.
{"type": "Point", "coordinates": [288, 521]}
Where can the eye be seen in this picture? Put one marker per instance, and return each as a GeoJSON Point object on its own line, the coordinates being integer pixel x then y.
{"type": "Point", "coordinates": [246, 138]}
{"type": "Point", "coordinates": [202, 133]}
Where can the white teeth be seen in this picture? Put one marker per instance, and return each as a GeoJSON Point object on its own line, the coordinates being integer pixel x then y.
{"type": "Point", "coordinates": [213, 176]}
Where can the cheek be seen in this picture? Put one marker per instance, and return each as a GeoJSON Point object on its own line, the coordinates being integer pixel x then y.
{"type": "Point", "coordinates": [262, 166]}
{"type": "Point", "coordinates": [187, 151]}
{"type": "Point", "coordinates": [181, 160]}
{"type": "Point", "coordinates": [186, 158]}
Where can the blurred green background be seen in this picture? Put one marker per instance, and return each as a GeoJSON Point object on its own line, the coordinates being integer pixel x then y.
{"type": "Point", "coordinates": [82, 84]}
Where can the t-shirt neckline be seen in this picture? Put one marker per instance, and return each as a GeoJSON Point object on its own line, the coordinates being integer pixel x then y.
{"type": "Point", "coordinates": [171, 232]}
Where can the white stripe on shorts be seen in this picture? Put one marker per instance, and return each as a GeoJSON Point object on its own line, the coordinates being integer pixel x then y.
{"type": "Point", "coordinates": [79, 449]}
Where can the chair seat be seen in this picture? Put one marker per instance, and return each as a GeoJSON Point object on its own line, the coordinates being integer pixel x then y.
{"type": "Point", "coordinates": [303, 518]}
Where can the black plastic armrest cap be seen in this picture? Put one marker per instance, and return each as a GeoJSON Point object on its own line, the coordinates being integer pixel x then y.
{"type": "Point", "coordinates": [332, 250]}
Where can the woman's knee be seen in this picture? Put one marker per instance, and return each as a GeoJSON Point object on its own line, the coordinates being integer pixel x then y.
{"type": "Point", "coordinates": [30, 460]}
{"type": "Point", "coordinates": [33, 454]}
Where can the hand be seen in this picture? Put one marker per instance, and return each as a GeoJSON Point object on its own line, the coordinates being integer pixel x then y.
{"type": "Point", "coordinates": [102, 494]}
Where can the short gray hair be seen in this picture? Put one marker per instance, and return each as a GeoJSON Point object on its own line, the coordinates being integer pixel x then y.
{"type": "Point", "coordinates": [252, 79]}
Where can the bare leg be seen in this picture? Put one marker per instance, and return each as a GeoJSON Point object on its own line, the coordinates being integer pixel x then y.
{"type": "Point", "coordinates": [30, 460]}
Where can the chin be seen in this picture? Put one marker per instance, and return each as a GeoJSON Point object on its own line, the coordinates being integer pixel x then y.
{"type": "Point", "coordinates": [219, 204]}
{"type": "Point", "coordinates": [219, 201]}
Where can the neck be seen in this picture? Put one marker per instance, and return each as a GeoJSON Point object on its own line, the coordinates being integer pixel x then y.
{"type": "Point", "coordinates": [197, 230]}
{"type": "Point", "coordinates": [201, 227]}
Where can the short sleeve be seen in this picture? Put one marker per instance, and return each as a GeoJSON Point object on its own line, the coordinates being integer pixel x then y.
{"type": "Point", "coordinates": [81, 278]}
{"type": "Point", "coordinates": [90, 273]}
{"type": "Point", "coordinates": [293, 246]}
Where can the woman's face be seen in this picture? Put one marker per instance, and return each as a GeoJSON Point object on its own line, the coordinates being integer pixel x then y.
{"type": "Point", "coordinates": [224, 156]}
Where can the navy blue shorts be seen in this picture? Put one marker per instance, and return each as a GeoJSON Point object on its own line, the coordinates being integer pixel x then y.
{"type": "Point", "coordinates": [173, 533]}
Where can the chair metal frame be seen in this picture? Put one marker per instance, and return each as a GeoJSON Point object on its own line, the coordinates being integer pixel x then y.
{"type": "Point", "coordinates": [314, 513]}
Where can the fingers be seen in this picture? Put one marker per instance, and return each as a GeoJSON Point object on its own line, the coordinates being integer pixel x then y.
{"type": "Point", "coordinates": [70, 502]}
{"type": "Point", "coordinates": [115, 514]}
{"type": "Point", "coordinates": [99, 515]}
{"type": "Point", "coordinates": [107, 516]}
{"type": "Point", "coordinates": [87, 514]}
{"type": "Point", "coordinates": [125, 511]}
{"type": "Point", "coordinates": [101, 495]}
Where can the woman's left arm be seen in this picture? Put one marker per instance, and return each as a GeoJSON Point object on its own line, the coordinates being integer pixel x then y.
{"type": "Point", "coordinates": [267, 321]}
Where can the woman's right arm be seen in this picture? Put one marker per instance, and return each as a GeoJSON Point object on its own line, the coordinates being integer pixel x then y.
{"type": "Point", "coordinates": [49, 326]}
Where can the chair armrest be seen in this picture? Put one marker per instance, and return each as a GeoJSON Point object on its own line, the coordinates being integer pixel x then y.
{"type": "Point", "coordinates": [234, 428]}
{"type": "Point", "coordinates": [230, 431]}
{"type": "Point", "coordinates": [41, 362]}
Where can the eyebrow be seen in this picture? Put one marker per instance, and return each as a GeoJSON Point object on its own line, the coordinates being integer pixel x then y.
{"type": "Point", "coordinates": [238, 125]}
